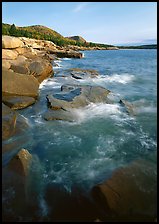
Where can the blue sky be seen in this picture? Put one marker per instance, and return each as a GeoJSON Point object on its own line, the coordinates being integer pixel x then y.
{"type": "Point", "coordinates": [101, 22]}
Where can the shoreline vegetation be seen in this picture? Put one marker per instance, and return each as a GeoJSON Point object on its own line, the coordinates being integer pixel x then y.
{"type": "Point", "coordinates": [26, 62]}
{"type": "Point", "coordinates": [75, 42]}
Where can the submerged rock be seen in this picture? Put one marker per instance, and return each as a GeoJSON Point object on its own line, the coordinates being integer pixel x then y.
{"type": "Point", "coordinates": [128, 106]}
{"type": "Point", "coordinates": [18, 102]}
{"type": "Point", "coordinates": [129, 195]}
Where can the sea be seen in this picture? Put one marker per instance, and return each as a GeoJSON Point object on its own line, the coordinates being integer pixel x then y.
{"type": "Point", "coordinates": [86, 152]}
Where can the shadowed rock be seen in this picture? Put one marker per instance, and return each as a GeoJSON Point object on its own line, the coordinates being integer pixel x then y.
{"type": "Point", "coordinates": [129, 195]}
{"type": "Point", "coordinates": [20, 162]}
{"type": "Point", "coordinates": [69, 206]}
{"type": "Point", "coordinates": [14, 187]}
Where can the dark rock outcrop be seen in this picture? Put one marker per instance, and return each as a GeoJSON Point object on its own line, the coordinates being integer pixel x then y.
{"type": "Point", "coordinates": [65, 53]}
{"type": "Point", "coordinates": [128, 107]}
{"type": "Point", "coordinates": [129, 195]}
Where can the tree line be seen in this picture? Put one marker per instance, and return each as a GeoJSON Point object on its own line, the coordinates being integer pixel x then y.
{"type": "Point", "coordinates": [12, 30]}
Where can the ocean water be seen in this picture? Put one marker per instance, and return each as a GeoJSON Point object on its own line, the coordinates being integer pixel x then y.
{"type": "Point", "coordinates": [103, 138]}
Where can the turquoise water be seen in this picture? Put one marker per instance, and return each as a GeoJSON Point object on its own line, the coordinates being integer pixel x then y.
{"type": "Point", "coordinates": [86, 152]}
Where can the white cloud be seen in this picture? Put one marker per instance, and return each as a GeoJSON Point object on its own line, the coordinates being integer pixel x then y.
{"type": "Point", "coordinates": [80, 7]}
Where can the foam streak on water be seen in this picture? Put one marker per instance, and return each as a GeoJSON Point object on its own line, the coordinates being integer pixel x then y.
{"type": "Point", "coordinates": [96, 110]}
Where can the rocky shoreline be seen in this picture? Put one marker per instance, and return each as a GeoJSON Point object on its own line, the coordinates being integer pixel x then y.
{"type": "Point", "coordinates": [25, 64]}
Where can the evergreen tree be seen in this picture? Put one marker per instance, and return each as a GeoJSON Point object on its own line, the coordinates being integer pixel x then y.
{"type": "Point", "coordinates": [13, 30]}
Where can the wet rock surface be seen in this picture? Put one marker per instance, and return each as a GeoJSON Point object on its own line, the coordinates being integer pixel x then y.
{"type": "Point", "coordinates": [78, 73]}
{"type": "Point", "coordinates": [71, 97]}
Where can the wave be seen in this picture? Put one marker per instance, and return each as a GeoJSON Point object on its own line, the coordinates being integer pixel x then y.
{"type": "Point", "coordinates": [123, 78]}
{"type": "Point", "coordinates": [94, 110]}
{"type": "Point", "coordinates": [49, 82]}
{"type": "Point", "coordinates": [66, 59]}
{"type": "Point", "coordinates": [102, 79]}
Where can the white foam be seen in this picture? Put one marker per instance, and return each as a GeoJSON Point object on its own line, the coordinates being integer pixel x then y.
{"type": "Point", "coordinates": [50, 82]}
{"type": "Point", "coordinates": [122, 78]}
{"type": "Point", "coordinates": [94, 110]}
{"type": "Point", "coordinates": [66, 59]}
{"type": "Point", "coordinates": [100, 80]}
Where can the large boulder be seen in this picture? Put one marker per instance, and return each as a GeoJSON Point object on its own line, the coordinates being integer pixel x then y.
{"type": "Point", "coordinates": [129, 195]}
{"type": "Point", "coordinates": [18, 102]}
{"type": "Point", "coordinates": [40, 68]}
{"type": "Point", "coordinates": [9, 54]}
{"type": "Point", "coordinates": [18, 84]}
{"type": "Point", "coordinates": [11, 42]}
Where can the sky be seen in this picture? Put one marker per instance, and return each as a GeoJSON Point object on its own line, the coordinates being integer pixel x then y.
{"type": "Point", "coordinates": [99, 22]}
